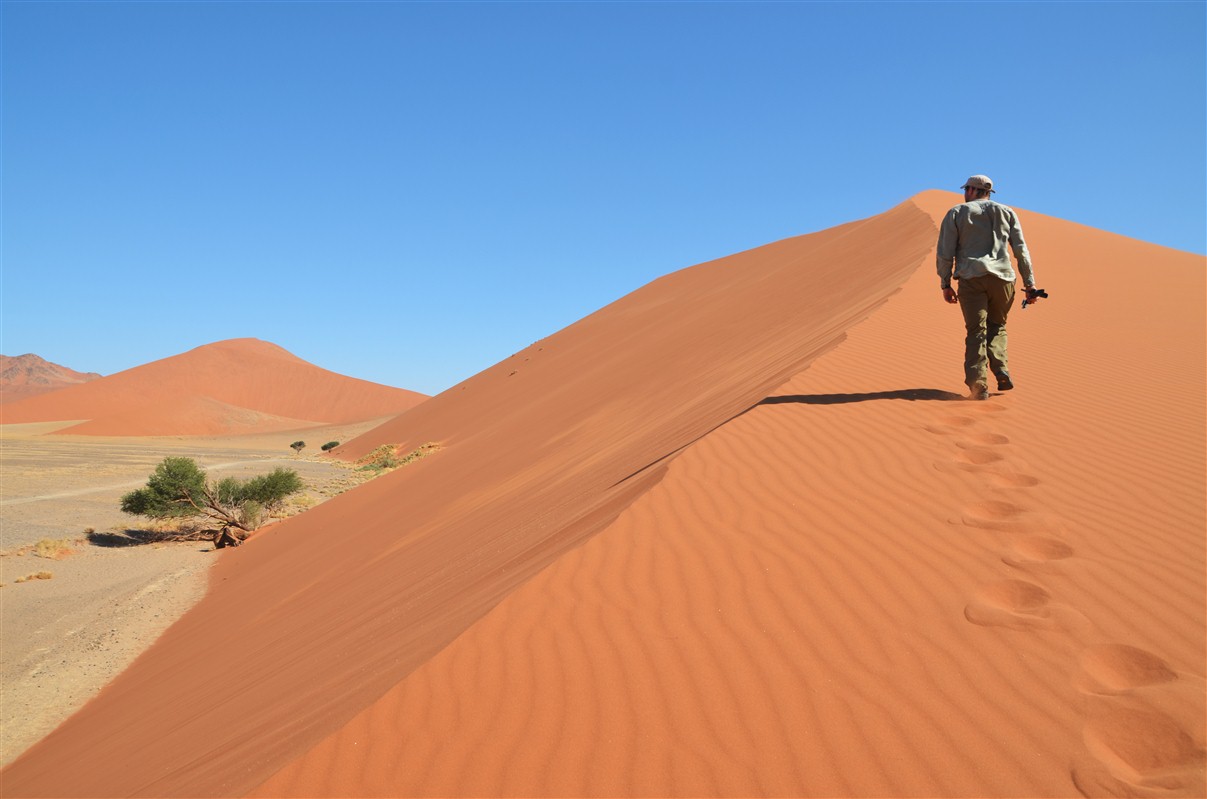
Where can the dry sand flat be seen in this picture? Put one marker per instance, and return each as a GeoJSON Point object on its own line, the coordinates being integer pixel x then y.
{"type": "Point", "coordinates": [240, 386]}
{"type": "Point", "coordinates": [859, 586]}
{"type": "Point", "coordinates": [64, 638]}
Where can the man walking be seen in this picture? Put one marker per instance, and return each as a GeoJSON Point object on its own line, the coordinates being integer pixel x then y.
{"type": "Point", "coordinates": [973, 239]}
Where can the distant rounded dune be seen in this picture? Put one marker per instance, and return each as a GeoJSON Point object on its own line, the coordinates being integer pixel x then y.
{"type": "Point", "coordinates": [226, 388]}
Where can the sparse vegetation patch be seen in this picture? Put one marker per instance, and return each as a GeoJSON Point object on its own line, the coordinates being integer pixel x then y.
{"type": "Point", "coordinates": [53, 549]}
{"type": "Point", "coordinates": [379, 460]}
{"type": "Point", "coordinates": [34, 576]}
{"type": "Point", "coordinates": [386, 458]}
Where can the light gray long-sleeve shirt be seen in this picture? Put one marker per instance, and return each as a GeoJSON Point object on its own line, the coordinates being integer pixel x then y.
{"type": "Point", "coordinates": [973, 238]}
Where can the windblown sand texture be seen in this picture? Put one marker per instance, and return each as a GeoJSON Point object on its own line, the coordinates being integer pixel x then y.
{"type": "Point", "coordinates": [657, 556]}
{"type": "Point", "coordinates": [28, 375]}
{"type": "Point", "coordinates": [226, 388]}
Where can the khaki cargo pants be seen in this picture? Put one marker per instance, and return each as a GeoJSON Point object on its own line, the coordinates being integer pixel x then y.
{"type": "Point", "coordinates": [985, 302]}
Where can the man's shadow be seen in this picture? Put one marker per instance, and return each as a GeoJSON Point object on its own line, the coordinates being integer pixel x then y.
{"type": "Point", "coordinates": [911, 394]}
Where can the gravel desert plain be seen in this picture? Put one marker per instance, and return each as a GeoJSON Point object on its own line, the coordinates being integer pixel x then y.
{"type": "Point", "coordinates": [110, 593]}
{"type": "Point", "coordinates": [737, 534]}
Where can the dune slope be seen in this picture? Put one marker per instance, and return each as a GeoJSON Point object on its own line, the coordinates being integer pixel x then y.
{"type": "Point", "coordinates": [866, 585]}
{"type": "Point", "coordinates": [310, 624]}
{"type": "Point", "coordinates": [229, 387]}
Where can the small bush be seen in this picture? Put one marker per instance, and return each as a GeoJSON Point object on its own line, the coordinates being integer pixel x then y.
{"type": "Point", "coordinates": [173, 490]}
{"type": "Point", "coordinates": [179, 490]}
{"type": "Point", "coordinates": [298, 446]}
{"type": "Point", "coordinates": [330, 445]}
{"type": "Point", "coordinates": [269, 490]}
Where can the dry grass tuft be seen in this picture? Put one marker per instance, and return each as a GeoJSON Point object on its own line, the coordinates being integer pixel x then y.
{"type": "Point", "coordinates": [55, 549]}
{"type": "Point", "coordinates": [34, 576]}
{"type": "Point", "coordinates": [49, 548]}
{"type": "Point", "coordinates": [170, 527]}
{"type": "Point", "coordinates": [296, 504]}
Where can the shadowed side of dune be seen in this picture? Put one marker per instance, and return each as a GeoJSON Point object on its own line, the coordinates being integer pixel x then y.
{"type": "Point", "coordinates": [309, 624]}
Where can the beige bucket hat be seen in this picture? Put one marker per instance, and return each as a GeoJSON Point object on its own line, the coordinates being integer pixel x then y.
{"type": "Point", "coordinates": [979, 182]}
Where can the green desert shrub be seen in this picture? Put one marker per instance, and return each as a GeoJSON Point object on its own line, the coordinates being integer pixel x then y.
{"type": "Point", "coordinates": [169, 492]}
{"type": "Point", "coordinates": [269, 490]}
{"type": "Point", "coordinates": [179, 489]}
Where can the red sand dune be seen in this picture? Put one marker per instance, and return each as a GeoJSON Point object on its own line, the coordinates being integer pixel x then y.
{"type": "Point", "coordinates": [657, 556]}
{"type": "Point", "coordinates": [230, 387]}
{"type": "Point", "coordinates": [29, 375]}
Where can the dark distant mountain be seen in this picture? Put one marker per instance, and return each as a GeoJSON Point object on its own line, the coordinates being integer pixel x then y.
{"type": "Point", "coordinates": [28, 375]}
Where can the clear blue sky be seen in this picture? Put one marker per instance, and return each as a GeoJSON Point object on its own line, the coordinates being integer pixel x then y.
{"type": "Point", "coordinates": [410, 192]}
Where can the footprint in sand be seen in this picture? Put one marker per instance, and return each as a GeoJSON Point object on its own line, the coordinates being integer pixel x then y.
{"type": "Point", "coordinates": [972, 459]}
{"type": "Point", "coordinates": [1116, 668]}
{"type": "Point", "coordinates": [1011, 603]}
{"type": "Point", "coordinates": [951, 424]}
{"type": "Point", "coordinates": [1015, 480]}
{"type": "Point", "coordinates": [1144, 730]}
{"type": "Point", "coordinates": [1139, 751]}
{"type": "Point", "coordinates": [989, 465]}
{"type": "Point", "coordinates": [978, 456]}
{"type": "Point", "coordinates": [995, 509]}
{"type": "Point", "coordinates": [958, 421]}
{"type": "Point", "coordinates": [1036, 550]}
{"type": "Point", "coordinates": [996, 514]}
{"type": "Point", "coordinates": [988, 438]}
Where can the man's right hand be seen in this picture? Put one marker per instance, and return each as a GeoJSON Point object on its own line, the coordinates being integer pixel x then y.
{"type": "Point", "coordinates": [950, 295]}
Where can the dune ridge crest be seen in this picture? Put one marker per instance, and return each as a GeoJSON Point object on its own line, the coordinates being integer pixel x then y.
{"type": "Point", "coordinates": [225, 388]}
{"type": "Point", "coordinates": [865, 585]}
{"type": "Point", "coordinates": [324, 615]}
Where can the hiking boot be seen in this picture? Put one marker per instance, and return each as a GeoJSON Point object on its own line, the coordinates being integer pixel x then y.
{"type": "Point", "coordinates": [1004, 383]}
{"type": "Point", "coordinates": [979, 392]}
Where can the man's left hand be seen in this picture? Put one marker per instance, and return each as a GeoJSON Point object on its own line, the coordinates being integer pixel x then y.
{"type": "Point", "coordinates": [950, 295]}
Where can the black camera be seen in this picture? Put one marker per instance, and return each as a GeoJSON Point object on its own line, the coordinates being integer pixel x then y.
{"type": "Point", "coordinates": [1033, 295]}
